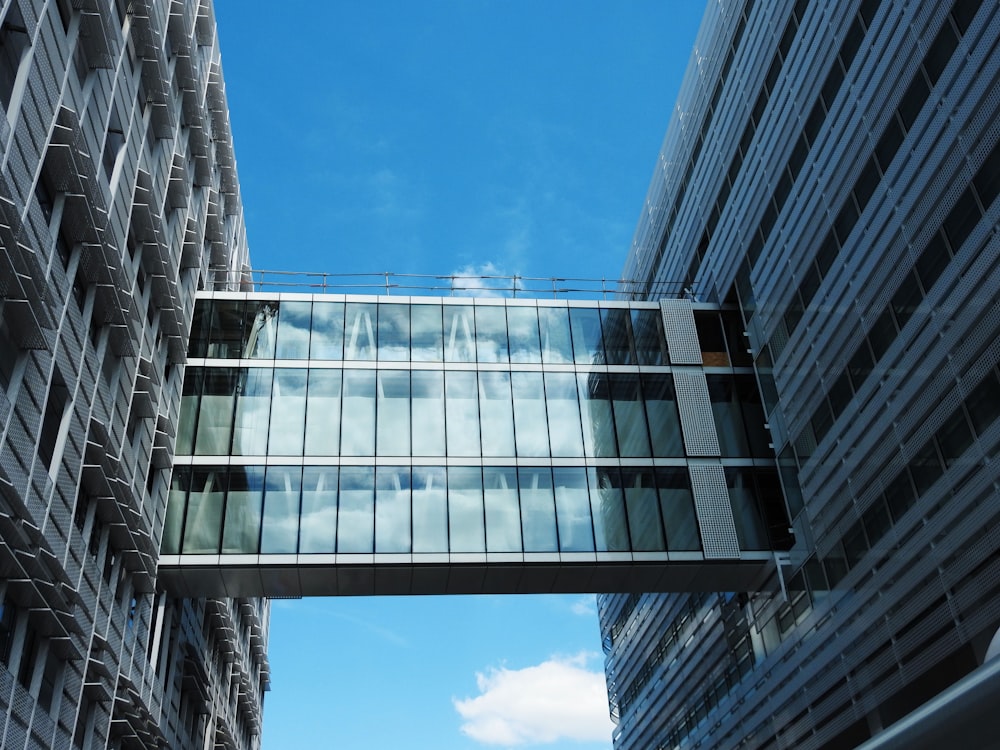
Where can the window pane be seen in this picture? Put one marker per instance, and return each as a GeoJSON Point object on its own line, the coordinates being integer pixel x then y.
{"type": "Point", "coordinates": [576, 534]}
{"type": "Point", "coordinates": [215, 411]}
{"type": "Point", "coordinates": [253, 410]}
{"type": "Point", "coordinates": [750, 529]}
{"type": "Point", "coordinates": [585, 324]}
{"type": "Point", "coordinates": [327, 340]}
{"type": "Point", "coordinates": [459, 334]}
{"type": "Point", "coordinates": [393, 332]}
{"type": "Point", "coordinates": [392, 509]}
{"type": "Point", "coordinates": [426, 341]}
{"type": "Point", "coordinates": [356, 516]}
{"type": "Point", "coordinates": [608, 504]}
{"type": "Point", "coordinates": [323, 413]}
{"type": "Point", "coordinates": [427, 389]}
{"type": "Point", "coordinates": [661, 413]}
{"type": "Point", "coordinates": [358, 433]}
{"type": "Point", "coordinates": [728, 417]}
{"type": "Point", "coordinates": [241, 532]}
{"type": "Point", "coordinates": [530, 428]}
{"type": "Point", "coordinates": [497, 416]}
{"type": "Point", "coordinates": [465, 509]}
{"type": "Point", "coordinates": [491, 333]}
{"type": "Point", "coordinates": [262, 328]}
{"type": "Point", "coordinates": [176, 505]}
{"type": "Point", "coordinates": [359, 330]}
{"type": "Point", "coordinates": [630, 415]}
{"type": "Point", "coordinates": [430, 511]}
{"type": "Point", "coordinates": [753, 417]}
{"type": "Point", "coordinates": [225, 336]}
{"type": "Point", "coordinates": [503, 518]}
{"type": "Point", "coordinates": [677, 509]}
{"type": "Point", "coordinates": [538, 519]}
{"type": "Point", "coordinates": [650, 341]}
{"type": "Point", "coordinates": [563, 409]}
{"type": "Point", "coordinates": [553, 324]}
{"type": "Point", "coordinates": [188, 417]}
{"type": "Point", "coordinates": [280, 529]}
{"type": "Point", "coordinates": [293, 330]}
{"type": "Point", "coordinates": [393, 410]}
{"type": "Point", "coordinates": [203, 522]}
{"type": "Point", "coordinates": [595, 412]}
{"type": "Point", "coordinates": [288, 412]}
{"type": "Point", "coordinates": [618, 345]}
{"type": "Point", "coordinates": [319, 510]}
{"type": "Point", "coordinates": [643, 510]}
{"type": "Point", "coordinates": [522, 324]}
{"type": "Point", "coordinates": [462, 413]}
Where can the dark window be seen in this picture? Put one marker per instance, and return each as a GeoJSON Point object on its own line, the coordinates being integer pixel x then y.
{"type": "Point", "coordinates": [852, 43]}
{"type": "Point", "coordinates": [962, 219]}
{"type": "Point", "coordinates": [55, 407]}
{"type": "Point", "coordinates": [984, 402]}
{"type": "Point", "coordinates": [906, 300]}
{"type": "Point", "coordinates": [14, 43]}
{"type": "Point", "coordinates": [846, 220]}
{"type": "Point", "coordinates": [942, 48]}
{"type": "Point", "coordinates": [899, 495]}
{"type": "Point", "coordinates": [861, 365]}
{"type": "Point", "coordinates": [954, 437]}
{"type": "Point", "coordinates": [987, 179]}
{"type": "Point", "coordinates": [889, 143]}
{"type": "Point", "coordinates": [882, 334]}
{"type": "Point", "coordinates": [913, 100]}
{"type": "Point", "coordinates": [814, 122]}
{"type": "Point", "coordinates": [840, 394]}
{"type": "Point", "coordinates": [798, 156]}
{"type": "Point", "coordinates": [8, 621]}
{"type": "Point", "coordinates": [832, 85]}
{"type": "Point", "coordinates": [868, 180]}
{"type": "Point", "coordinates": [925, 467]}
{"type": "Point", "coordinates": [963, 11]}
{"type": "Point", "coordinates": [783, 47]}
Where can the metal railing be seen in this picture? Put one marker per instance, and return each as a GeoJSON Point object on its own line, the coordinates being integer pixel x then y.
{"type": "Point", "coordinates": [450, 285]}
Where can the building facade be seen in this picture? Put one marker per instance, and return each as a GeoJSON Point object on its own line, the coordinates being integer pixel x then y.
{"type": "Point", "coordinates": [832, 170]}
{"type": "Point", "coordinates": [118, 191]}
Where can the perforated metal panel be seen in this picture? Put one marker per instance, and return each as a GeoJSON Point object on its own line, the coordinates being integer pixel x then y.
{"type": "Point", "coordinates": [682, 338]}
{"type": "Point", "coordinates": [714, 511]}
{"type": "Point", "coordinates": [697, 423]}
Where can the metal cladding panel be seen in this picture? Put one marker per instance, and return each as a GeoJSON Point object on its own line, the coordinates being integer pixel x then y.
{"type": "Point", "coordinates": [695, 408]}
{"type": "Point", "coordinates": [715, 513]}
{"type": "Point", "coordinates": [682, 337]}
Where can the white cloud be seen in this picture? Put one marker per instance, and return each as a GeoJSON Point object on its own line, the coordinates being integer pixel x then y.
{"type": "Point", "coordinates": [486, 280]}
{"type": "Point", "coordinates": [559, 699]}
{"type": "Point", "coordinates": [585, 606]}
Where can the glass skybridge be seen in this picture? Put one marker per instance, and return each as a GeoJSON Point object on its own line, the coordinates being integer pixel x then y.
{"type": "Point", "coordinates": [385, 445]}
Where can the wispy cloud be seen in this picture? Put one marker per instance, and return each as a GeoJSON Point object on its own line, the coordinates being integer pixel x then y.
{"type": "Point", "coordinates": [585, 606]}
{"type": "Point", "coordinates": [484, 280]}
{"type": "Point", "coordinates": [559, 699]}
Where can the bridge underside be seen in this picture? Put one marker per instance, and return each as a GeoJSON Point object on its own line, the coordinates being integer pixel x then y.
{"type": "Point", "coordinates": [389, 575]}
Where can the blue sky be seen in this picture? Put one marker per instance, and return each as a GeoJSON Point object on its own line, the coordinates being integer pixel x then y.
{"type": "Point", "coordinates": [440, 137]}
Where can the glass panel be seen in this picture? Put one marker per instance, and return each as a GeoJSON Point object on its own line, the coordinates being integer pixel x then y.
{"type": "Point", "coordinates": [359, 330]}
{"type": "Point", "coordinates": [618, 345]}
{"type": "Point", "coordinates": [262, 328]}
{"type": "Point", "coordinates": [427, 388]}
{"type": "Point", "coordinates": [253, 410]}
{"type": "Point", "coordinates": [203, 523]}
{"type": "Point", "coordinates": [188, 417]}
{"type": "Point", "coordinates": [538, 518]}
{"type": "Point", "coordinates": [319, 510]}
{"type": "Point", "coordinates": [426, 341]}
{"type": "Point", "coordinates": [225, 338]}
{"type": "Point", "coordinates": [462, 413]}
{"type": "Point", "coordinates": [201, 326]}
{"type": "Point", "coordinates": [630, 415]}
{"type": "Point", "coordinates": [279, 532]}
{"type": "Point", "coordinates": [288, 412]}
{"type": "Point", "coordinates": [293, 330]}
{"type": "Point", "coordinates": [392, 509]}
{"type": "Point", "coordinates": [576, 533]}
{"type": "Point", "coordinates": [503, 519]}
{"type": "Point", "coordinates": [642, 504]}
{"type": "Point", "coordinates": [323, 413]}
{"type": "Point", "coordinates": [595, 411]}
{"type": "Point", "coordinates": [608, 504]}
{"type": "Point", "coordinates": [750, 529]}
{"type": "Point", "coordinates": [215, 411]}
{"type": "Point", "coordinates": [563, 409]}
{"type": "Point", "coordinates": [728, 418]}
{"type": "Point", "coordinates": [176, 505]}
{"type": "Point", "coordinates": [677, 507]}
{"type": "Point", "coordinates": [661, 413]}
{"type": "Point", "coordinates": [588, 347]}
{"type": "Point", "coordinates": [393, 332]}
{"type": "Point", "coordinates": [241, 532]}
{"type": "Point", "coordinates": [650, 340]}
{"type": "Point", "coordinates": [491, 334]}
{"type": "Point", "coordinates": [530, 429]}
{"type": "Point", "coordinates": [356, 517]}
{"type": "Point", "coordinates": [327, 340]}
{"type": "Point", "coordinates": [522, 326]}
{"type": "Point", "coordinates": [753, 417]}
{"type": "Point", "coordinates": [430, 509]}
{"type": "Point", "coordinates": [358, 433]}
{"type": "Point", "coordinates": [393, 410]}
{"type": "Point", "coordinates": [553, 325]}
{"type": "Point", "coordinates": [465, 509]}
{"type": "Point", "coordinates": [496, 410]}
{"type": "Point", "coordinates": [459, 334]}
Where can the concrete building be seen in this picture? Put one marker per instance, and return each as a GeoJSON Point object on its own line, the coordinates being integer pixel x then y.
{"type": "Point", "coordinates": [832, 172]}
{"type": "Point", "coordinates": [118, 190]}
